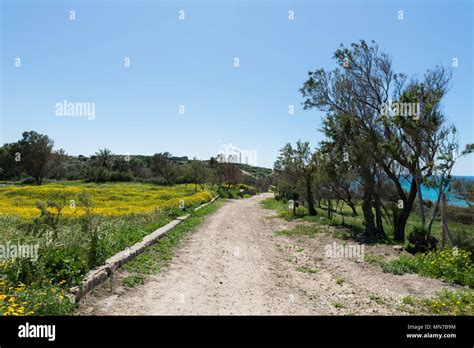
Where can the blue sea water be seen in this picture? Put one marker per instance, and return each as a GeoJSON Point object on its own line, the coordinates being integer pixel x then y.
{"type": "Point", "coordinates": [431, 193]}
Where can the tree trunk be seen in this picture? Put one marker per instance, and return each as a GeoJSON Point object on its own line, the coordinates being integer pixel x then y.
{"type": "Point", "coordinates": [378, 210]}
{"type": "Point", "coordinates": [353, 208]}
{"type": "Point", "coordinates": [402, 218]}
{"type": "Point", "coordinates": [378, 216]}
{"type": "Point", "coordinates": [420, 198]}
{"type": "Point", "coordinates": [370, 228]}
{"type": "Point", "coordinates": [310, 198]}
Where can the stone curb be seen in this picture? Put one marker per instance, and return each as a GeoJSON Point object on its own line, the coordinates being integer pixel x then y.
{"type": "Point", "coordinates": [99, 274]}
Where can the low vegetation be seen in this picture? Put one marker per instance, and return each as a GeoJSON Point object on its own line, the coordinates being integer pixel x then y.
{"type": "Point", "coordinates": [445, 303]}
{"type": "Point", "coordinates": [74, 238]}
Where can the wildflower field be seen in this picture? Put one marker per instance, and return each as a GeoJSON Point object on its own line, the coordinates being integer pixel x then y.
{"type": "Point", "coordinates": [108, 199]}
{"type": "Point", "coordinates": [76, 227]}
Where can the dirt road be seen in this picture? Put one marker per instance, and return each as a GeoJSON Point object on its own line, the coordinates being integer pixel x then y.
{"type": "Point", "coordinates": [234, 263]}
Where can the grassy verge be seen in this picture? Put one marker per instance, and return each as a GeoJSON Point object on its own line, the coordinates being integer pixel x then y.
{"type": "Point", "coordinates": [65, 254]}
{"type": "Point", "coordinates": [355, 224]}
{"type": "Point", "coordinates": [445, 303]}
{"type": "Point", "coordinates": [451, 265]}
{"type": "Point", "coordinates": [160, 254]}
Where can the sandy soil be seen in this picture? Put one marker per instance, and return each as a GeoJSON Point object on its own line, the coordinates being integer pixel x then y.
{"type": "Point", "coordinates": [234, 263]}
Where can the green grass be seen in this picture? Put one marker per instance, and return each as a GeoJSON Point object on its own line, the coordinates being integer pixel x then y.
{"type": "Point", "coordinates": [144, 264]}
{"type": "Point", "coordinates": [374, 259]}
{"type": "Point", "coordinates": [273, 204]}
{"type": "Point", "coordinates": [133, 280]}
{"type": "Point", "coordinates": [305, 269]}
{"type": "Point", "coordinates": [377, 299]}
{"type": "Point", "coordinates": [354, 225]}
{"type": "Point", "coordinates": [62, 264]}
{"type": "Point", "coordinates": [451, 265]}
{"type": "Point", "coordinates": [445, 303]}
{"type": "Point", "coordinates": [338, 305]}
{"type": "Point", "coordinates": [445, 264]}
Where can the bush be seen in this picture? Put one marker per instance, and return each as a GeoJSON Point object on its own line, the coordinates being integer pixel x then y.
{"type": "Point", "coordinates": [19, 270]}
{"type": "Point", "coordinates": [451, 303]}
{"type": "Point", "coordinates": [19, 300]}
{"type": "Point", "coordinates": [119, 176]}
{"type": "Point", "coordinates": [97, 174]}
{"type": "Point", "coordinates": [401, 266]}
{"type": "Point", "coordinates": [420, 241]}
{"type": "Point", "coordinates": [27, 181]}
{"type": "Point", "coordinates": [451, 264]}
{"type": "Point", "coordinates": [63, 266]}
{"type": "Point", "coordinates": [463, 239]}
{"type": "Point", "coordinates": [301, 211]}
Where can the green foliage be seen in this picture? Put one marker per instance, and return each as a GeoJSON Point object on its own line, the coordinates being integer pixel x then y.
{"type": "Point", "coordinates": [445, 303]}
{"type": "Point", "coordinates": [451, 303]}
{"type": "Point", "coordinates": [62, 266]}
{"type": "Point", "coordinates": [420, 240]}
{"type": "Point", "coordinates": [49, 300]}
{"type": "Point", "coordinates": [300, 230]}
{"type": "Point", "coordinates": [305, 269]}
{"type": "Point", "coordinates": [144, 264]}
{"type": "Point", "coordinates": [19, 270]}
{"type": "Point", "coordinates": [133, 280]}
{"type": "Point", "coordinates": [451, 264]}
{"type": "Point", "coordinates": [374, 259]}
{"type": "Point", "coordinates": [405, 264]}
{"type": "Point", "coordinates": [464, 239]}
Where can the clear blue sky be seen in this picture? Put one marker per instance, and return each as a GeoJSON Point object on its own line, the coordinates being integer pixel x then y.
{"type": "Point", "coordinates": [190, 62]}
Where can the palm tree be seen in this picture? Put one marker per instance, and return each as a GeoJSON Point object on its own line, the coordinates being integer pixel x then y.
{"type": "Point", "coordinates": [104, 158]}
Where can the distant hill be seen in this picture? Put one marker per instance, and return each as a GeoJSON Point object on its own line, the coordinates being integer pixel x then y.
{"type": "Point", "coordinates": [256, 172]}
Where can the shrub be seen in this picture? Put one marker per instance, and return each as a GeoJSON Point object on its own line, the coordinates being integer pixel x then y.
{"type": "Point", "coordinates": [420, 241]}
{"type": "Point", "coordinates": [97, 174]}
{"type": "Point", "coordinates": [46, 300]}
{"type": "Point", "coordinates": [63, 266]}
{"type": "Point", "coordinates": [27, 181]}
{"type": "Point", "coordinates": [301, 211]}
{"type": "Point", "coordinates": [119, 176]}
{"type": "Point", "coordinates": [451, 264]}
{"type": "Point", "coordinates": [403, 265]}
{"type": "Point", "coordinates": [451, 303]}
{"type": "Point", "coordinates": [19, 270]}
{"type": "Point", "coordinates": [463, 239]}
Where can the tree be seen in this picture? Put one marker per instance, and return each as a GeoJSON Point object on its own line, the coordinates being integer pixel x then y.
{"type": "Point", "coordinates": [104, 158]}
{"type": "Point", "coordinates": [198, 173]}
{"type": "Point", "coordinates": [335, 173]}
{"type": "Point", "coordinates": [9, 168]}
{"type": "Point", "coordinates": [228, 173]}
{"type": "Point", "coordinates": [401, 145]}
{"type": "Point", "coordinates": [36, 155]}
{"type": "Point", "coordinates": [295, 170]}
{"type": "Point", "coordinates": [165, 167]}
{"type": "Point", "coordinates": [442, 179]}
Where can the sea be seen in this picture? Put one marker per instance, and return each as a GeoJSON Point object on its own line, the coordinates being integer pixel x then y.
{"type": "Point", "coordinates": [431, 193]}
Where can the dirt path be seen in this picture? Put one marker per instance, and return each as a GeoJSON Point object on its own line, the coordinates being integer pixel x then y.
{"type": "Point", "coordinates": [234, 263]}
